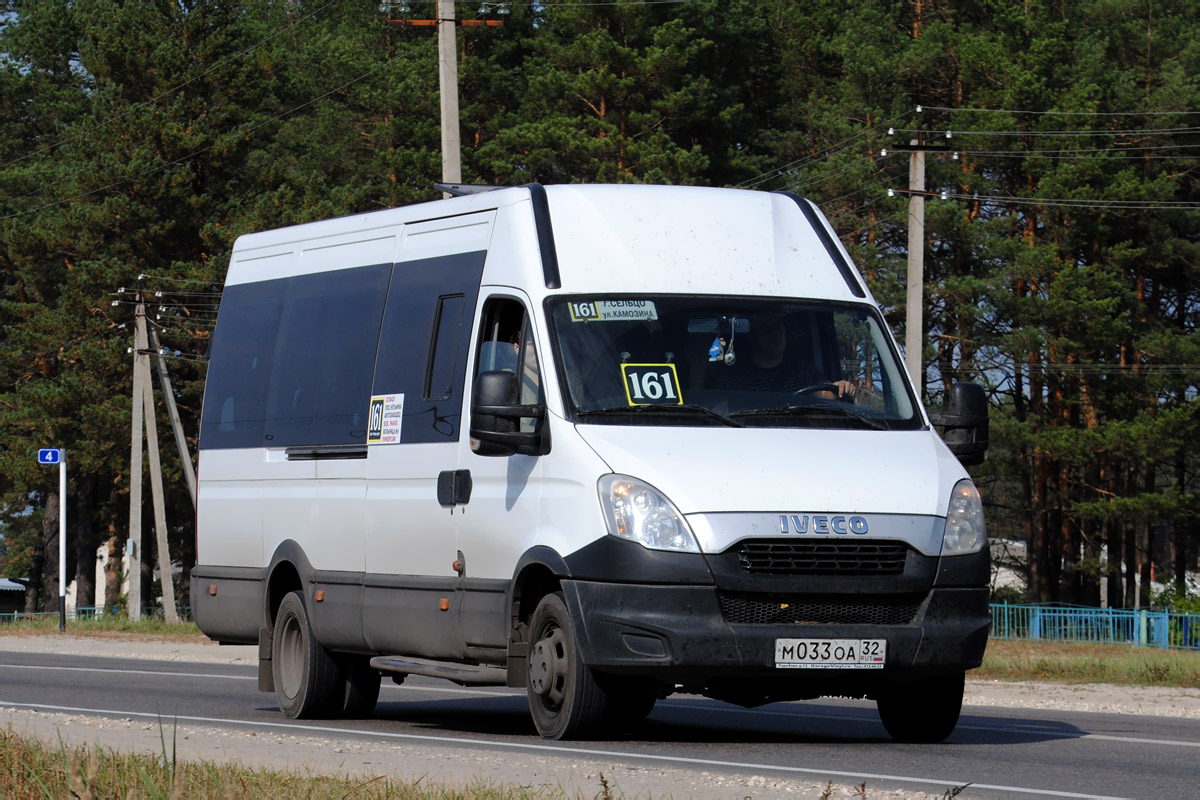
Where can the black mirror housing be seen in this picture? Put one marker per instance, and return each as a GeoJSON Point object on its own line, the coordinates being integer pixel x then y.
{"type": "Point", "coordinates": [496, 418]}
{"type": "Point", "coordinates": [965, 423]}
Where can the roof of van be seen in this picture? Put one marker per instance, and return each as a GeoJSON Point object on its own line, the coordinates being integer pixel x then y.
{"type": "Point", "coordinates": [627, 237]}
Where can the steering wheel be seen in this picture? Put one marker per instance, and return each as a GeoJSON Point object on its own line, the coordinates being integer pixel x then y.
{"type": "Point", "coordinates": [818, 387]}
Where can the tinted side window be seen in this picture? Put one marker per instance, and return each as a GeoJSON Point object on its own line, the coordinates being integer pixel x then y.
{"type": "Point", "coordinates": [443, 356]}
{"type": "Point", "coordinates": [324, 358]}
{"type": "Point", "coordinates": [239, 373]}
{"type": "Point", "coordinates": [423, 353]}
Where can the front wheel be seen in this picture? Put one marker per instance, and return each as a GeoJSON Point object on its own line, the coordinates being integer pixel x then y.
{"type": "Point", "coordinates": [565, 699]}
{"type": "Point", "coordinates": [308, 683]}
{"type": "Point", "coordinates": [925, 711]}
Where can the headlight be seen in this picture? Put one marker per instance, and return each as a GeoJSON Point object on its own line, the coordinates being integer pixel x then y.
{"type": "Point", "coordinates": [637, 511]}
{"type": "Point", "coordinates": [964, 521]}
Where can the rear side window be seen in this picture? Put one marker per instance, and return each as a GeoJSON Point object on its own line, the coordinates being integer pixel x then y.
{"type": "Point", "coordinates": [292, 360]}
{"type": "Point", "coordinates": [239, 372]}
{"type": "Point", "coordinates": [324, 358]}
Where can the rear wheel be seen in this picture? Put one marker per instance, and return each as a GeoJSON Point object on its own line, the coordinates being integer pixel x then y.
{"type": "Point", "coordinates": [565, 699]}
{"type": "Point", "coordinates": [925, 711]}
{"type": "Point", "coordinates": [308, 682]}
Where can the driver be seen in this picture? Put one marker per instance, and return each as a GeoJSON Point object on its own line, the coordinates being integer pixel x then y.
{"type": "Point", "coordinates": [769, 370]}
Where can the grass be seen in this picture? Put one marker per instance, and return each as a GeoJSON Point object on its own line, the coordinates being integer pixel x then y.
{"type": "Point", "coordinates": [1064, 662]}
{"type": "Point", "coordinates": [106, 625]}
{"type": "Point", "coordinates": [30, 768]}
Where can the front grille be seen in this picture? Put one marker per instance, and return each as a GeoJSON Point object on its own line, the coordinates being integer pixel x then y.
{"type": "Point", "coordinates": [846, 559]}
{"type": "Point", "coordinates": [757, 609]}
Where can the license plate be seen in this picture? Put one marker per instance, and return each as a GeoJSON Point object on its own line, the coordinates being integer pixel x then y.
{"type": "Point", "coordinates": [830, 653]}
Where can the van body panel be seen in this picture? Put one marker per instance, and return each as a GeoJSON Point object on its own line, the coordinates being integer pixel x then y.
{"type": "Point", "coordinates": [786, 471]}
{"type": "Point", "coordinates": [813, 515]}
{"type": "Point", "coordinates": [724, 241]}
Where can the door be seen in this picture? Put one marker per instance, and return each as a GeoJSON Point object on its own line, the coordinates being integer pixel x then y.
{"type": "Point", "coordinates": [499, 522]}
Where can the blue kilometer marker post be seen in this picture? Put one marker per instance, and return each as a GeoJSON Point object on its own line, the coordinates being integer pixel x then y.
{"type": "Point", "coordinates": [57, 456]}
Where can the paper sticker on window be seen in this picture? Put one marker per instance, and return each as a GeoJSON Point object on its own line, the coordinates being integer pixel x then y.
{"type": "Point", "coordinates": [651, 384]}
{"type": "Point", "coordinates": [387, 410]}
{"type": "Point", "coordinates": [613, 310]}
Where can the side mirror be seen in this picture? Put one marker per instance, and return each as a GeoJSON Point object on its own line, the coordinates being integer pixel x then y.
{"type": "Point", "coordinates": [966, 423]}
{"type": "Point", "coordinates": [496, 418]}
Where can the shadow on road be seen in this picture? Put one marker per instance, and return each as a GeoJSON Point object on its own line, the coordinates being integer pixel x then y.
{"type": "Point", "coordinates": [700, 721]}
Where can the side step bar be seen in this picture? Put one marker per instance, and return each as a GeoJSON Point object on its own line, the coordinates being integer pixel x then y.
{"type": "Point", "coordinates": [462, 674]}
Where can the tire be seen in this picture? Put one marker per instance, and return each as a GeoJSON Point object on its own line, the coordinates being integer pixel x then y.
{"type": "Point", "coordinates": [565, 699]}
{"type": "Point", "coordinates": [308, 682]}
{"type": "Point", "coordinates": [361, 684]}
{"type": "Point", "coordinates": [923, 712]}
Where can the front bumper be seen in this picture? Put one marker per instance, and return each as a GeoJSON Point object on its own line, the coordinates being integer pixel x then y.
{"type": "Point", "coordinates": [680, 635]}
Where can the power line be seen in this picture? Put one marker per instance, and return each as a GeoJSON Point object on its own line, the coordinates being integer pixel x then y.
{"type": "Point", "coordinates": [950, 133]}
{"type": "Point", "coordinates": [828, 152]}
{"type": "Point", "coordinates": [1130, 205]}
{"type": "Point", "coordinates": [1058, 113]}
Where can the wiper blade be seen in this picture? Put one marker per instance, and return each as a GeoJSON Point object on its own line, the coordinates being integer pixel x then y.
{"type": "Point", "coordinates": [680, 410]}
{"type": "Point", "coordinates": [816, 410]}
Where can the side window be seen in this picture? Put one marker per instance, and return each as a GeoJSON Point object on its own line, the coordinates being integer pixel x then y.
{"type": "Point", "coordinates": [439, 380]}
{"type": "Point", "coordinates": [424, 341]}
{"type": "Point", "coordinates": [239, 375]}
{"type": "Point", "coordinates": [506, 343]}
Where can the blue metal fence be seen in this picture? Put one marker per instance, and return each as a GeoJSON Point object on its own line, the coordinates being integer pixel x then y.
{"type": "Point", "coordinates": [1063, 623]}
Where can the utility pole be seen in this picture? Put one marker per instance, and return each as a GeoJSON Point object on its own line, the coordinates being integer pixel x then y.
{"type": "Point", "coordinates": [164, 380]}
{"type": "Point", "coordinates": [141, 375]}
{"type": "Point", "coordinates": [914, 323]}
{"type": "Point", "coordinates": [166, 577]}
{"type": "Point", "coordinates": [448, 89]}
{"type": "Point", "coordinates": [447, 71]}
{"type": "Point", "coordinates": [143, 415]}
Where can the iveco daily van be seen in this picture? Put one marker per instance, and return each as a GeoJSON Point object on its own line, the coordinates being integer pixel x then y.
{"type": "Point", "coordinates": [604, 443]}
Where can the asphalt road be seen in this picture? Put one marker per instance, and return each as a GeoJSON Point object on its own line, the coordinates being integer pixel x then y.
{"type": "Point", "coordinates": [999, 752]}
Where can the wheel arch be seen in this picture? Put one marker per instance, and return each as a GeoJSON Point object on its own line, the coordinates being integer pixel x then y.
{"type": "Point", "coordinates": [289, 571]}
{"type": "Point", "coordinates": [539, 572]}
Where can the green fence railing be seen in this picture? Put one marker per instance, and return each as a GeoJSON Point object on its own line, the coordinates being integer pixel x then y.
{"type": "Point", "coordinates": [1063, 623]}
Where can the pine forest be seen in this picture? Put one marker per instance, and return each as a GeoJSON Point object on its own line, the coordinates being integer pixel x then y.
{"type": "Point", "coordinates": [1061, 143]}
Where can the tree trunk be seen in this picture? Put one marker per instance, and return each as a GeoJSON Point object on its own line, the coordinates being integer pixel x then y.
{"type": "Point", "coordinates": [1115, 592]}
{"type": "Point", "coordinates": [85, 549]}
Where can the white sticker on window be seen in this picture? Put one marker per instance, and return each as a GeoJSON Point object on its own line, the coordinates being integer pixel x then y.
{"type": "Point", "coordinates": [613, 310]}
{"type": "Point", "coordinates": [386, 412]}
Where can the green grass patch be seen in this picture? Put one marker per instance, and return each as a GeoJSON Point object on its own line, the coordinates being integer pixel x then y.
{"type": "Point", "coordinates": [1064, 662]}
{"type": "Point", "coordinates": [31, 769]}
{"type": "Point", "coordinates": [111, 625]}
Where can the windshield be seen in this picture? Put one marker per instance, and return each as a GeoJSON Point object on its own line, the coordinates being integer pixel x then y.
{"type": "Point", "coordinates": [695, 360]}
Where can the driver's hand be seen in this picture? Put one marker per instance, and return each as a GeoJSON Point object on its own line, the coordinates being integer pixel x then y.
{"type": "Point", "coordinates": [846, 389]}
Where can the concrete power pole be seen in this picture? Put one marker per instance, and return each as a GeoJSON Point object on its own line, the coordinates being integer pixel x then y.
{"type": "Point", "coordinates": [914, 323]}
{"type": "Point", "coordinates": [164, 380]}
{"type": "Point", "coordinates": [448, 88]}
{"type": "Point", "coordinates": [144, 416]}
{"type": "Point", "coordinates": [133, 548]}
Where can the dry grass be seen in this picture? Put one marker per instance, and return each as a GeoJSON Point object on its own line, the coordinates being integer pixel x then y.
{"type": "Point", "coordinates": [30, 769]}
{"type": "Point", "coordinates": [1018, 660]}
{"type": "Point", "coordinates": [113, 626]}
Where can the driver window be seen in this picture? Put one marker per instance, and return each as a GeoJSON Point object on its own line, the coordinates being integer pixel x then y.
{"type": "Point", "coordinates": [507, 344]}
